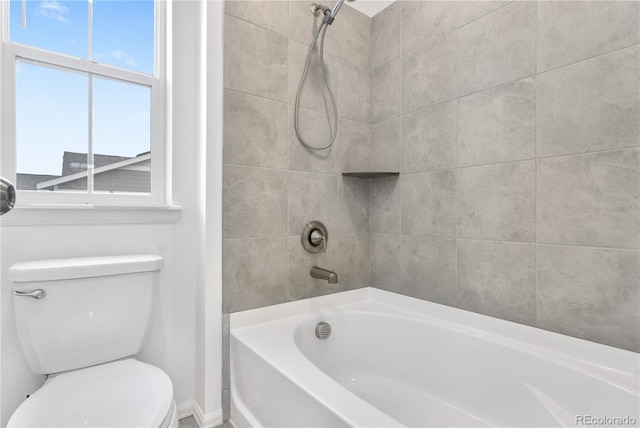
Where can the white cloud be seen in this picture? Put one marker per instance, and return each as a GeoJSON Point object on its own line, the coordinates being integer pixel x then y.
{"type": "Point", "coordinates": [52, 9]}
{"type": "Point", "coordinates": [119, 55]}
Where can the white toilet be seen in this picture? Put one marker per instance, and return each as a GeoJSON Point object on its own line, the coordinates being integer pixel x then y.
{"type": "Point", "coordinates": [80, 321]}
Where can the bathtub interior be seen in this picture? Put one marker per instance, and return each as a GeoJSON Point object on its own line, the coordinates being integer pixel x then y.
{"type": "Point", "coordinates": [264, 389]}
{"type": "Point", "coordinates": [426, 375]}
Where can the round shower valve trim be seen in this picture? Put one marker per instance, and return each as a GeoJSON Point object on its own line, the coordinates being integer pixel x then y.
{"type": "Point", "coordinates": [315, 237]}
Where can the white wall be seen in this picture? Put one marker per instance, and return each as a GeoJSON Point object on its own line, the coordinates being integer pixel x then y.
{"type": "Point", "coordinates": [172, 342]}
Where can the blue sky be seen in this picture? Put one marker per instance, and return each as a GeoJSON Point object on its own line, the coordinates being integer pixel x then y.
{"type": "Point", "coordinates": [52, 105]}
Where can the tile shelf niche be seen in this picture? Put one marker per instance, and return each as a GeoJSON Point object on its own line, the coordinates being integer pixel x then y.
{"type": "Point", "coordinates": [371, 174]}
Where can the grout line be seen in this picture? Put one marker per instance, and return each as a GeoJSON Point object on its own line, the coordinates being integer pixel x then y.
{"type": "Point", "coordinates": [456, 298]}
{"type": "Point", "coordinates": [537, 244]}
{"type": "Point", "coordinates": [282, 169]}
{"type": "Point", "coordinates": [443, 35]}
{"type": "Point", "coordinates": [245, 20]}
{"type": "Point", "coordinates": [535, 186]}
{"type": "Point", "coordinates": [288, 104]}
{"type": "Point", "coordinates": [486, 14]}
{"type": "Point", "coordinates": [591, 247]}
{"type": "Point", "coordinates": [571, 64]}
{"type": "Point", "coordinates": [529, 76]}
{"type": "Point", "coordinates": [455, 168]}
{"type": "Point", "coordinates": [448, 238]}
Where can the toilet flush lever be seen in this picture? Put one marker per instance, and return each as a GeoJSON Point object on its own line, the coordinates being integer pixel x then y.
{"type": "Point", "coordinates": [36, 294]}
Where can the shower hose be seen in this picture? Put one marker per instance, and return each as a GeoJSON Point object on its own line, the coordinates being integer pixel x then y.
{"type": "Point", "coordinates": [333, 129]}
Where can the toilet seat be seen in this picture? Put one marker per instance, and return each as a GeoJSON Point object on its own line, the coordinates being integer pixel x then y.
{"type": "Point", "coordinates": [124, 393]}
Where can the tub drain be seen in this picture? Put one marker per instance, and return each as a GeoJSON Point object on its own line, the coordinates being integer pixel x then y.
{"type": "Point", "coordinates": [323, 330]}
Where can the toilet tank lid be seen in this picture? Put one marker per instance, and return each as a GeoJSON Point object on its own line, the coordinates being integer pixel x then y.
{"type": "Point", "coordinates": [84, 267]}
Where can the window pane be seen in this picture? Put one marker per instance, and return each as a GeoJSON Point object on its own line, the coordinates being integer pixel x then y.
{"type": "Point", "coordinates": [52, 130]}
{"type": "Point", "coordinates": [60, 26]}
{"type": "Point", "coordinates": [123, 34]}
{"type": "Point", "coordinates": [121, 136]}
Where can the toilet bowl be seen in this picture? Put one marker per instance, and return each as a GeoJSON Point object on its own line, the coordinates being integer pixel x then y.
{"type": "Point", "coordinates": [91, 317]}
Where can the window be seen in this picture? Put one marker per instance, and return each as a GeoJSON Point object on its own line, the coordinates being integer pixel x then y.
{"type": "Point", "coordinates": [83, 86]}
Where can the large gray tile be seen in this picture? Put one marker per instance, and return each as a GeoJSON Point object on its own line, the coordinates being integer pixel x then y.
{"type": "Point", "coordinates": [497, 202]}
{"type": "Point", "coordinates": [301, 284]}
{"type": "Point", "coordinates": [386, 145]}
{"type": "Point", "coordinates": [254, 202]}
{"type": "Point", "coordinates": [348, 38]}
{"type": "Point", "coordinates": [498, 125]}
{"type": "Point", "coordinates": [384, 260]}
{"type": "Point", "coordinates": [353, 205]}
{"type": "Point", "coordinates": [272, 15]}
{"type": "Point", "coordinates": [353, 261]}
{"type": "Point", "coordinates": [497, 48]}
{"type": "Point", "coordinates": [355, 145]}
{"type": "Point", "coordinates": [424, 22]}
{"type": "Point", "coordinates": [254, 273]}
{"type": "Point", "coordinates": [590, 106]}
{"type": "Point", "coordinates": [303, 26]}
{"type": "Point", "coordinates": [429, 269]}
{"type": "Point", "coordinates": [255, 60]}
{"type": "Point", "coordinates": [428, 204]}
{"type": "Point", "coordinates": [384, 205]}
{"type": "Point", "coordinates": [385, 35]}
{"type": "Point", "coordinates": [385, 91]}
{"type": "Point", "coordinates": [354, 96]}
{"type": "Point", "coordinates": [498, 279]}
{"type": "Point", "coordinates": [314, 94]}
{"type": "Point", "coordinates": [590, 293]}
{"type": "Point", "coordinates": [471, 10]}
{"type": "Point", "coordinates": [429, 74]}
{"type": "Point", "coordinates": [312, 197]}
{"type": "Point", "coordinates": [590, 199]}
{"type": "Point", "coordinates": [315, 129]}
{"type": "Point", "coordinates": [429, 138]}
{"type": "Point", "coordinates": [255, 131]}
{"type": "Point", "coordinates": [353, 35]}
{"type": "Point", "coordinates": [570, 31]}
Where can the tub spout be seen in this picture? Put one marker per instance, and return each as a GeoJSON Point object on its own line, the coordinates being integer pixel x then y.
{"type": "Point", "coordinates": [321, 273]}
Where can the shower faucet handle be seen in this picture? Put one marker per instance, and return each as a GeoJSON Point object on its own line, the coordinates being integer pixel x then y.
{"type": "Point", "coordinates": [315, 237]}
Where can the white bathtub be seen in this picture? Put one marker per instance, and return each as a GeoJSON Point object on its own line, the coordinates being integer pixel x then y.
{"type": "Point", "coordinates": [396, 361]}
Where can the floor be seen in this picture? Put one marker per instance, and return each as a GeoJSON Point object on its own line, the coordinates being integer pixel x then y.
{"type": "Point", "coordinates": [191, 423]}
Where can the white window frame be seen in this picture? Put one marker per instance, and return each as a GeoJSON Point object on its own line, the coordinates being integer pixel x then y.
{"type": "Point", "coordinates": [12, 52]}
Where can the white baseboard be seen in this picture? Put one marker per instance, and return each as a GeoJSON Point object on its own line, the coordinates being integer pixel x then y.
{"type": "Point", "coordinates": [210, 420]}
{"type": "Point", "coordinates": [185, 409]}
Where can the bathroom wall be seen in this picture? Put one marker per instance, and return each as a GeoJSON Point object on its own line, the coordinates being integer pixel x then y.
{"type": "Point", "coordinates": [272, 185]}
{"type": "Point", "coordinates": [515, 126]}
{"type": "Point", "coordinates": [172, 342]}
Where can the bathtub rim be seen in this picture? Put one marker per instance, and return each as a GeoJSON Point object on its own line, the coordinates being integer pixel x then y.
{"type": "Point", "coordinates": [614, 365]}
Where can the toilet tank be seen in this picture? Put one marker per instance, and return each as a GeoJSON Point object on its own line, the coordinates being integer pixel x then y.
{"type": "Point", "coordinates": [95, 310]}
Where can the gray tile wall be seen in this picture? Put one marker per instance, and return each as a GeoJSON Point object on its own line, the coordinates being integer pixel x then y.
{"type": "Point", "coordinates": [272, 185]}
{"type": "Point", "coordinates": [516, 127]}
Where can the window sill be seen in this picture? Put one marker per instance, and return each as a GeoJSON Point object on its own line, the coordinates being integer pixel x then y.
{"type": "Point", "coordinates": [87, 214]}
